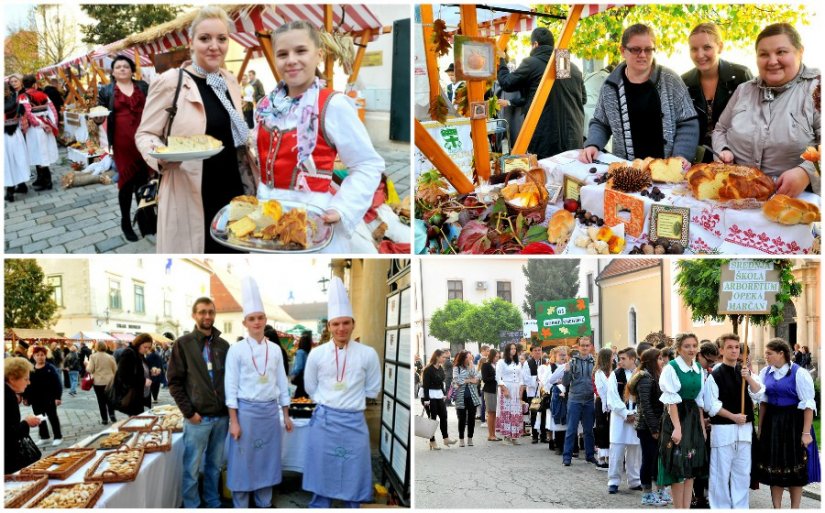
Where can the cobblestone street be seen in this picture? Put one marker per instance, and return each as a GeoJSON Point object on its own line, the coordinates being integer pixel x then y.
{"type": "Point", "coordinates": [498, 475]}
{"type": "Point", "coordinates": [87, 219]}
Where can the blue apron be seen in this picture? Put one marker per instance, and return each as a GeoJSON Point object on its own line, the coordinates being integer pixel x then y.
{"type": "Point", "coordinates": [254, 461]}
{"type": "Point", "coordinates": [338, 462]}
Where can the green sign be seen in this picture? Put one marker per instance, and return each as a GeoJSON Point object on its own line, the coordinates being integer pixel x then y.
{"type": "Point", "coordinates": [564, 318]}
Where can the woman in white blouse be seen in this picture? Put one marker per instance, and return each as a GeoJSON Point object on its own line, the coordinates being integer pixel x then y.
{"type": "Point", "coordinates": [786, 439]}
{"type": "Point", "coordinates": [557, 414]}
{"type": "Point", "coordinates": [509, 416]}
{"type": "Point", "coordinates": [682, 453]}
{"type": "Point", "coordinates": [601, 431]}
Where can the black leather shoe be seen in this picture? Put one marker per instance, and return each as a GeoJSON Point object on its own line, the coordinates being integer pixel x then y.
{"type": "Point", "coordinates": [128, 232]}
{"type": "Point", "coordinates": [9, 194]}
{"type": "Point", "coordinates": [21, 188]}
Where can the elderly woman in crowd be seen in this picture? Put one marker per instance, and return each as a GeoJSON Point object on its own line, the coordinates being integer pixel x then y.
{"type": "Point", "coordinates": [192, 192]}
{"type": "Point", "coordinates": [102, 367]}
{"type": "Point", "coordinates": [16, 371]}
{"type": "Point", "coordinates": [770, 121]}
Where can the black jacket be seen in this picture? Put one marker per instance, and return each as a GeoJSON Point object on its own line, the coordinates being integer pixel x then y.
{"type": "Point", "coordinates": [188, 376]}
{"type": "Point", "coordinates": [106, 98]}
{"type": "Point", "coordinates": [55, 96]}
{"type": "Point", "coordinates": [488, 377]}
{"type": "Point", "coordinates": [730, 76]}
{"type": "Point", "coordinates": [561, 125]}
{"type": "Point", "coordinates": [73, 361]}
{"type": "Point", "coordinates": [15, 430]}
{"type": "Point", "coordinates": [131, 378]}
{"type": "Point", "coordinates": [433, 379]}
{"type": "Point", "coordinates": [649, 408]}
{"type": "Point", "coordinates": [45, 388]}
{"type": "Point", "coordinates": [154, 360]}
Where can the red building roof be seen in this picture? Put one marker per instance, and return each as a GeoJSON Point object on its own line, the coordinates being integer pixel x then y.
{"type": "Point", "coordinates": [224, 301]}
{"type": "Point", "coordinates": [620, 266]}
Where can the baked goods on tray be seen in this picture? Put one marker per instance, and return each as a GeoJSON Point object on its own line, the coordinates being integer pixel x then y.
{"type": "Point", "coordinates": [266, 220]}
{"type": "Point", "coordinates": [139, 423]}
{"type": "Point", "coordinates": [116, 466]}
{"type": "Point", "coordinates": [159, 440]}
{"type": "Point", "coordinates": [189, 143]}
{"type": "Point", "coordinates": [60, 464]}
{"type": "Point", "coordinates": [172, 421]}
{"type": "Point", "coordinates": [114, 440]}
{"type": "Point", "coordinates": [17, 489]}
{"type": "Point", "coordinates": [76, 495]}
{"type": "Point", "coordinates": [729, 182]}
{"type": "Point", "coordinates": [786, 210]}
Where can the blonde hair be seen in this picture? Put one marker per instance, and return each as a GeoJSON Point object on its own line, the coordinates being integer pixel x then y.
{"type": "Point", "coordinates": [710, 29]}
{"type": "Point", "coordinates": [16, 368]}
{"type": "Point", "coordinates": [209, 12]}
{"type": "Point", "coordinates": [101, 346]}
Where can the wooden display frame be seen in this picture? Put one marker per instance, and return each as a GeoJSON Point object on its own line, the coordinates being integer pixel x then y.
{"type": "Point", "coordinates": [126, 427]}
{"type": "Point", "coordinates": [614, 202]}
{"type": "Point", "coordinates": [150, 446]}
{"type": "Point", "coordinates": [656, 213]}
{"type": "Point", "coordinates": [110, 476]}
{"type": "Point", "coordinates": [37, 484]}
{"type": "Point", "coordinates": [571, 188]}
{"type": "Point", "coordinates": [62, 472]}
{"type": "Point", "coordinates": [463, 47]}
{"type": "Point", "coordinates": [90, 502]}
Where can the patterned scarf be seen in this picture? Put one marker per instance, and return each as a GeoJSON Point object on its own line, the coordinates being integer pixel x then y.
{"type": "Point", "coordinates": [279, 111]}
{"type": "Point", "coordinates": [216, 81]}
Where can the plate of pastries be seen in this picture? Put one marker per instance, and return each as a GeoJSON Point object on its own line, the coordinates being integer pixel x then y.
{"type": "Point", "coordinates": [271, 226]}
{"type": "Point", "coordinates": [180, 148]}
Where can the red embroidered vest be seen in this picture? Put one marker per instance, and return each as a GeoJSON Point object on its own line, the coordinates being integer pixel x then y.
{"type": "Point", "coordinates": [278, 158]}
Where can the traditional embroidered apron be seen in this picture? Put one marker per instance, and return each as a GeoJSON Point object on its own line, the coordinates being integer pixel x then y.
{"type": "Point", "coordinates": [338, 457]}
{"type": "Point", "coordinates": [254, 461]}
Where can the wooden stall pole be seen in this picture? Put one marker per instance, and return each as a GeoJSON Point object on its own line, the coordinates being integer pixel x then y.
{"type": "Point", "coordinates": [429, 50]}
{"type": "Point", "coordinates": [442, 162]}
{"type": "Point", "coordinates": [138, 73]}
{"type": "Point", "coordinates": [72, 97]}
{"type": "Point", "coordinates": [475, 93]}
{"type": "Point", "coordinates": [504, 38]}
{"type": "Point", "coordinates": [329, 64]}
{"type": "Point", "coordinates": [359, 56]}
{"type": "Point", "coordinates": [245, 63]}
{"type": "Point", "coordinates": [269, 55]}
{"type": "Point", "coordinates": [528, 126]}
{"type": "Point", "coordinates": [100, 73]}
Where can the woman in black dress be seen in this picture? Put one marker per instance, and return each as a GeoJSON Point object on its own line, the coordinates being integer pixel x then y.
{"type": "Point", "coordinates": [134, 377]}
{"type": "Point", "coordinates": [16, 372]}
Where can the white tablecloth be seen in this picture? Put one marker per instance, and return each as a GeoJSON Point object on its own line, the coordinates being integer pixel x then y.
{"type": "Point", "coordinates": [293, 445]}
{"type": "Point", "coordinates": [80, 132]}
{"type": "Point", "coordinates": [713, 228]}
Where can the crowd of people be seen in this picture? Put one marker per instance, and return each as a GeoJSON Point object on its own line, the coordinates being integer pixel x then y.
{"type": "Point", "coordinates": [644, 109]}
{"type": "Point", "coordinates": [671, 421]}
{"type": "Point", "coordinates": [235, 400]}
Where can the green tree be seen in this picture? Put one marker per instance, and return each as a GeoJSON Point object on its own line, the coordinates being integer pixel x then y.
{"type": "Point", "coordinates": [28, 299]}
{"type": "Point", "coordinates": [484, 322]}
{"type": "Point", "coordinates": [449, 323]}
{"type": "Point", "coordinates": [548, 280]}
{"type": "Point", "coordinates": [699, 279]}
{"type": "Point", "coordinates": [599, 36]}
{"type": "Point", "coordinates": [114, 22]}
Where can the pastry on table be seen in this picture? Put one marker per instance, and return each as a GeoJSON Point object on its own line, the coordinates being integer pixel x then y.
{"type": "Point", "coordinates": [560, 226]}
{"type": "Point", "coordinates": [666, 170]}
{"type": "Point", "coordinates": [729, 182]}
{"type": "Point", "coordinates": [242, 206]}
{"type": "Point", "coordinates": [786, 210]}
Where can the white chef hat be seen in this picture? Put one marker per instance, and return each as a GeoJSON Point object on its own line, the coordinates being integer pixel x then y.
{"type": "Point", "coordinates": [338, 305]}
{"type": "Point", "coordinates": [251, 298]}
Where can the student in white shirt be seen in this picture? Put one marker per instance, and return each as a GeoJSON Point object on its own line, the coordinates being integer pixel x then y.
{"type": "Point", "coordinates": [256, 387]}
{"type": "Point", "coordinates": [624, 442]}
{"type": "Point", "coordinates": [340, 375]}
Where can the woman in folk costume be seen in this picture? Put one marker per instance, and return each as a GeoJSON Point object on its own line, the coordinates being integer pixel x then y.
{"type": "Point", "coordinates": [41, 117]}
{"type": "Point", "coordinates": [302, 126]}
{"type": "Point", "coordinates": [601, 428]}
{"type": "Point", "coordinates": [557, 414]}
{"type": "Point", "coordinates": [340, 376]}
{"type": "Point", "coordinates": [682, 453]}
{"type": "Point", "coordinates": [624, 443]}
{"type": "Point", "coordinates": [16, 157]}
{"type": "Point", "coordinates": [786, 450]}
{"type": "Point", "coordinates": [256, 387]}
{"type": "Point", "coordinates": [209, 102]}
{"type": "Point", "coordinates": [509, 416]}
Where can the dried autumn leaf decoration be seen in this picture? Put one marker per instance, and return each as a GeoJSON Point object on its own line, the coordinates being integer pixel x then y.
{"type": "Point", "coordinates": [431, 188]}
{"type": "Point", "coordinates": [439, 109]}
{"type": "Point", "coordinates": [462, 104]}
{"type": "Point", "coordinates": [441, 39]}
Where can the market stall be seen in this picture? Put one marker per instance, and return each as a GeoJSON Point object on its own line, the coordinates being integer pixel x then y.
{"type": "Point", "coordinates": [13, 335]}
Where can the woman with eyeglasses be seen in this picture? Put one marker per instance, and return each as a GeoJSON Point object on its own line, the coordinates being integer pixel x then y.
{"type": "Point", "coordinates": [643, 106]}
{"type": "Point", "coordinates": [712, 82]}
{"type": "Point", "coordinates": [771, 120]}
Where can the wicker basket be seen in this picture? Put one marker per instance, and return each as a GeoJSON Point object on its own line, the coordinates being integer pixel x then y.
{"type": "Point", "coordinates": [539, 178]}
{"type": "Point", "coordinates": [149, 446]}
{"type": "Point", "coordinates": [97, 491]}
{"type": "Point", "coordinates": [64, 468]}
{"type": "Point", "coordinates": [27, 491]}
{"type": "Point", "coordinates": [110, 476]}
{"type": "Point", "coordinates": [171, 421]}
{"type": "Point", "coordinates": [139, 423]}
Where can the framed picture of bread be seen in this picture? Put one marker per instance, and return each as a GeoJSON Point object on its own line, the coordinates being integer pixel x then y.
{"type": "Point", "coordinates": [524, 162]}
{"type": "Point", "coordinates": [670, 223]}
{"type": "Point", "coordinates": [475, 58]}
{"type": "Point", "coordinates": [571, 187]}
{"type": "Point", "coordinates": [624, 208]}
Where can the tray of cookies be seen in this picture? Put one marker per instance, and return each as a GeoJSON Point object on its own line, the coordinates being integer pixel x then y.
{"type": "Point", "coordinates": [116, 466]}
{"type": "Point", "coordinates": [171, 421]}
{"type": "Point", "coordinates": [165, 409]}
{"type": "Point", "coordinates": [75, 495]}
{"type": "Point", "coordinates": [60, 464]}
{"type": "Point", "coordinates": [139, 423]}
{"type": "Point", "coordinates": [108, 441]}
{"type": "Point", "coordinates": [159, 440]}
{"type": "Point", "coordinates": [18, 489]}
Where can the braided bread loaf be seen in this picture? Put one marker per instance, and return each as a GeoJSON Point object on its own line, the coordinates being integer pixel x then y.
{"type": "Point", "coordinates": [728, 182]}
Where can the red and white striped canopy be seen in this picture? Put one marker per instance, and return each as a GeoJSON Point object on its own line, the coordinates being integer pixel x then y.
{"type": "Point", "coordinates": [100, 54]}
{"type": "Point", "coordinates": [346, 18]}
{"type": "Point", "coordinates": [166, 42]}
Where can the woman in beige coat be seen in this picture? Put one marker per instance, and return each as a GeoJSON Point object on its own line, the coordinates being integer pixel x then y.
{"type": "Point", "coordinates": [102, 367]}
{"type": "Point", "coordinates": [192, 192]}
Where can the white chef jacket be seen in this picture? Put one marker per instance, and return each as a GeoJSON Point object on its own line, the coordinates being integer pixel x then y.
{"type": "Point", "coordinates": [361, 377]}
{"type": "Point", "coordinates": [242, 380]}
{"type": "Point", "coordinates": [727, 434]}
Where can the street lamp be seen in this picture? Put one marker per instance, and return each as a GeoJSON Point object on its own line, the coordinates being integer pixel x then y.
{"type": "Point", "coordinates": [323, 282]}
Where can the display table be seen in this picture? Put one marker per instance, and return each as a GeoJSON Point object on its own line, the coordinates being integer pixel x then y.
{"type": "Point", "coordinates": [82, 156]}
{"type": "Point", "coordinates": [74, 126]}
{"type": "Point", "coordinates": [713, 228]}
